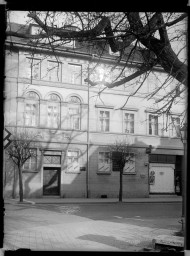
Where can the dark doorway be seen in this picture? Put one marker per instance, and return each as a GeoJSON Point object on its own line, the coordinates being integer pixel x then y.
{"type": "Point", "coordinates": [51, 181]}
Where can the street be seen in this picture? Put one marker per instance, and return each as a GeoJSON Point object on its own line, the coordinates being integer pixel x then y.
{"type": "Point", "coordinates": [92, 227]}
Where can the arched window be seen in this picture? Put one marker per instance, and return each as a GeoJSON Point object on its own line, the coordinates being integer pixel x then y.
{"type": "Point", "coordinates": [31, 109]}
{"type": "Point", "coordinates": [74, 109]}
{"type": "Point", "coordinates": [53, 110]}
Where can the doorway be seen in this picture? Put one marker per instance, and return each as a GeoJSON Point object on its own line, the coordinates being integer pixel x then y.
{"type": "Point", "coordinates": [161, 178]}
{"type": "Point", "coordinates": [51, 181]}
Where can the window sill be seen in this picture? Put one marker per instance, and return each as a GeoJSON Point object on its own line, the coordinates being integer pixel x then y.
{"type": "Point", "coordinates": [129, 173]}
{"type": "Point", "coordinates": [103, 173]}
{"type": "Point", "coordinates": [69, 172]}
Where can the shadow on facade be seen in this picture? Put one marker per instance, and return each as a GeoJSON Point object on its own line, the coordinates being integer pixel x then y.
{"type": "Point", "coordinates": [74, 184]}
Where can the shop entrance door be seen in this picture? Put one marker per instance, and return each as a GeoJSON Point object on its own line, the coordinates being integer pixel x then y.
{"type": "Point", "coordinates": [51, 181]}
{"type": "Point", "coordinates": [161, 178]}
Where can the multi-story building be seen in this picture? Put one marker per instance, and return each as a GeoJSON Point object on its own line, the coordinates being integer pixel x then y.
{"type": "Point", "coordinates": [46, 93]}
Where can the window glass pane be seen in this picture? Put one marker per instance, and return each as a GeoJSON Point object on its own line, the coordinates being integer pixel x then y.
{"type": "Point", "coordinates": [26, 164]}
{"type": "Point", "coordinates": [33, 68]}
{"type": "Point", "coordinates": [107, 114]}
{"type": "Point", "coordinates": [103, 162]}
{"type": "Point", "coordinates": [175, 130]}
{"type": "Point", "coordinates": [104, 120]}
{"type": "Point", "coordinates": [32, 95]}
{"type": "Point", "coordinates": [52, 159]}
{"type": "Point", "coordinates": [153, 125]}
{"type": "Point", "coordinates": [74, 116]}
{"type": "Point", "coordinates": [54, 97]}
{"type": "Point", "coordinates": [129, 123]}
{"type": "Point", "coordinates": [75, 73]}
{"type": "Point", "coordinates": [106, 125]}
{"type": "Point", "coordinates": [54, 71]}
{"type": "Point", "coordinates": [53, 115]}
{"type": "Point", "coordinates": [31, 114]}
{"type": "Point", "coordinates": [74, 99]}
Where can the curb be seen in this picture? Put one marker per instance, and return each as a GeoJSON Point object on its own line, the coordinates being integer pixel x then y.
{"type": "Point", "coordinates": [88, 202]}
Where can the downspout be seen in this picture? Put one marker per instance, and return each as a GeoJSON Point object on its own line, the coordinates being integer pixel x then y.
{"type": "Point", "coordinates": [88, 115]}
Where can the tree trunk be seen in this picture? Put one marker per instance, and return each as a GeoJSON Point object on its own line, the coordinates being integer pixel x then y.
{"type": "Point", "coordinates": [14, 183]}
{"type": "Point", "coordinates": [121, 185]}
{"type": "Point", "coordinates": [20, 184]}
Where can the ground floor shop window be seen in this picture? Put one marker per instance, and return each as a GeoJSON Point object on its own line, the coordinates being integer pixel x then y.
{"type": "Point", "coordinates": [73, 161]}
{"type": "Point", "coordinates": [31, 163]}
{"type": "Point", "coordinates": [129, 167]}
{"type": "Point", "coordinates": [104, 165]}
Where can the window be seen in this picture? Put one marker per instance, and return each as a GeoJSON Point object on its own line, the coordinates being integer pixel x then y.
{"type": "Point", "coordinates": [153, 125]}
{"type": "Point", "coordinates": [75, 74]}
{"type": "Point", "coordinates": [52, 159]}
{"type": "Point", "coordinates": [104, 162]}
{"type": "Point", "coordinates": [35, 30]}
{"type": "Point", "coordinates": [54, 71]}
{"type": "Point", "coordinates": [31, 163]}
{"type": "Point", "coordinates": [73, 161]}
{"type": "Point", "coordinates": [31, 109]}
{"type": "Point", "coordinates": [53, 111]}
{"type": "Point", "coordinates": [104, 119]}
{"type": "Point", "coordinates": [74, 110]}
{"type": "Point", "coordinates": [128, 123]}
{"type": "Point", "coordinates": [168, 159]}
{"type": "Point", "coordinates": [70, 42]}
{"type": "Point", "coordinates": [175, 127]}
{"type": "Point", "coordinates": [129, 167]}
{"type": "Point", "coordinates": [114, 53]}
{"type": "Point", "coordinates": [33, 68]}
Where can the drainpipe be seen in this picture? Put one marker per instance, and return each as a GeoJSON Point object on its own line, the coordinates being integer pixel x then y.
{"type": "Point", "coordinates": [88, 115]}
{"type": "Point", "coordinates": [148, 151]}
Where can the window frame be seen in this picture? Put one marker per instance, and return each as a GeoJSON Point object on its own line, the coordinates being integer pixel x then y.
{"type": "Point", "coordinates": [69, 165]}
{"type": "Point", "coordinates": [108, 165]}
{"type": "Point", "coordinates": [30, 169]}
{"type": "Point", "coordinates": [72, 73]}
{"type": "Point", "coordinates": [173, 133]}
{"type": "Point", "coordinates": [53, 103]}
{"type": "Point", "coordinates": [124, 121]}
{"type": "Point", "coordinates": [74, 105]}
{"type": "Point", "coordinates": [32, 102]}
{"type": "Point", "coordinates": [99, 120]}
{"type": "Point", "coordinates": [134, 161]}
{"type": "Point", "coordinates": [153, 129]}
{"type": "Point", "coordinates": [32, 67]}
{"type": "Point", "coordinates": [49, 70]}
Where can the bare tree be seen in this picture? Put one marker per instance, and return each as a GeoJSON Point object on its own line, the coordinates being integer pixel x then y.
{"type": "Point", "coordinates": [150, 36]}
{"type": "Point", "coordinates": [122, 155]}
{"type": "Point", "coordinates": [20, 150]}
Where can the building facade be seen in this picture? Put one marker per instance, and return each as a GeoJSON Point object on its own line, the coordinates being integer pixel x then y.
{"type": "Point", "coordinates": [76, 124]}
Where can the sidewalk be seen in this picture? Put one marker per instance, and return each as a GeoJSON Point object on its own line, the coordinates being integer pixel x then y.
{"type": "Point", "coordinates": [58, 200]}
{"type": "Point", "coordinates": [40, 228]}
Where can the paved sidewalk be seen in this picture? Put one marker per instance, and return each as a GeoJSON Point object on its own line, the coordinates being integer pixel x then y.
{"type": "Point", "coordinates": [34, 227]}
{"type": "Point", "coordinates": [58, 200]}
